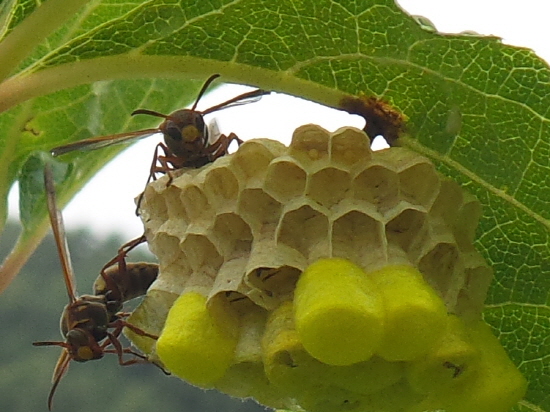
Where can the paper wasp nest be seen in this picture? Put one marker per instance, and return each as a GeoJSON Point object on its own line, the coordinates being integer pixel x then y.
{"type": "Point", "coordinates": [323, 276]}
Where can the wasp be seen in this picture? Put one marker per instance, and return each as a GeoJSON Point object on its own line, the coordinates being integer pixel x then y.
{"type": "Point", "coordinates": [91, 323]}
{"type": "Point", "coordinates": [186, 136]}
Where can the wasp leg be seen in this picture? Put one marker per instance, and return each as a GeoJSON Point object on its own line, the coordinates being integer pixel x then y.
{"type": "Point", "coordinates": [221, 146]}
{"type": "Point", "coordinates": [119, 324]}
{"type": "Point", "coordinates": [154, 169]}
{"type": "Point", "coordinates": [120, 259]}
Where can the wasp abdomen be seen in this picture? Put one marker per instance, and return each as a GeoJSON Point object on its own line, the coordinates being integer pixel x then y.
{"type": "Point", "coordinates": [126, 285]}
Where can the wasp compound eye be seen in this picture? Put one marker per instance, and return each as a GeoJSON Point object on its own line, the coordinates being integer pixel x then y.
{"type": "Point", "coordinates": [324, 275]}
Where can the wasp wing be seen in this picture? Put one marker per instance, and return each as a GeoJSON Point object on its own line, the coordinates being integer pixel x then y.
{"type": "Point", "coordinates": [103, 141]}
{"type": "Point", "coordinates": [58, 228]}
{"type": "Point", "coordinates": [61, 368]}
{"type": "Point", "coordinates": [245, 98]}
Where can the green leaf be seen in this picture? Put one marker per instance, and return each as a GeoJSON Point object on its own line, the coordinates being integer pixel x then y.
{"type": "Point", "coordinates": [73, 69]}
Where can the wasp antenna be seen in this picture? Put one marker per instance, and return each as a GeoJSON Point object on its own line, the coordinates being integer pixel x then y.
{"type": "Point", "coordinates": [149, 112]}
{"type": "Point", "coordinates": [50, 343]}
{"type": "Point", "coordinates": [204, 87]}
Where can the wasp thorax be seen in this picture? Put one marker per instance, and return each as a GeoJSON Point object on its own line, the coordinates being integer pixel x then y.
{"type": "Point", "coordinates": [323, 276]}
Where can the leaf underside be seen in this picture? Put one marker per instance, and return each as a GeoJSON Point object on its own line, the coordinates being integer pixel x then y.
{"type": "Point", "coordinates": [476, 107]}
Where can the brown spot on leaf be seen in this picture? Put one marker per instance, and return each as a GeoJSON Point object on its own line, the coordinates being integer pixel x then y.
{"type": "Point", "coordinates": [380, 117]}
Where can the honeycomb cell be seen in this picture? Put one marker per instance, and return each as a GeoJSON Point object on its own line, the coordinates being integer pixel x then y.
{"type": "Point", "coordinates": [419, 184]}
{"type": "Point", "coordinates": [359, 238]}
{"type": "Point", "coordinates": [171, 198]}
{"type": "Point", "coordinates": [448, 201]}
{"type": "Point", "coordinates": [253, 158]}
{"type": "Point", "coordinates": [267, 254]}
{"type": "Point", "coordinates": [153, 201]}
{"type": "Point", "coordinates": [201, 252]}
{"type": "Point", "coordinates": [305, 230]}
{"type": "Point", "coordinates": [258, 208]}
{"type": "Point", "coordinates": [477, 279]}
{"type": "Point", "coordinates": [349, 149]}
{"type": "Point", "coordinates": [165, 247]}
{"type": "Point", "coordinates": [377, 185]}
{"type": "Point", "coordinates": [194, 203]}
{"type": "Point", "coordinates": [232, 235]}
{"type": "Point", "coordinates": [221, 188]}
{"type": "Point", "coordinates": [276, 282]}
{"type": "Point", "coordinates": [285, 180]}
{"type": "Point", "coordinates": [398, 159]}
{"type": "Point", "coordinates": [310, 145]}
{"type": "Point", "coordinates": [439, 267]}
{"type": "Point", "coordinates": [328, 186]}
{"type": "Point", "coordinates": [465, 225]}
{"type": "Point", "coordinates": [406, 226]}
{"type": "Point", "coordinates": [181, 272]}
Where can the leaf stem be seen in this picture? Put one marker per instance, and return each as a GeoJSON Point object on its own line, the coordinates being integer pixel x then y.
{"type": "Point", "coordinates": [43, 21]}
{"type": "Point", "coordinates": [17, 89]}
{"type": "Point", "coordinates": [26, 245]}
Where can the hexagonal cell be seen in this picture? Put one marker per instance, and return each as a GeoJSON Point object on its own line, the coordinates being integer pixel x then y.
{"type": "Point", "coordinates": [174, 277]}
{"type": "Point", "coordinates": [419, 184]}
{"type": "Point", "coordinates": [306, 230]}
{"type": "Point", "coordinates": [236, 302]}
{"type": "Point", "coordinates": [258, 208]}
{"type": "Point", "coordinates": [406, 227]}
{"type": "Point", "coordinates": [276, 282]}
{"type": "Point", "coordinates": [358, 238]}
{"type": "Point", "coordinates": [232, 235]}
{"type": "Point", "coordinates": [310, 143]}
{"type": "Point", "coordinates": [153, 204]}
{"type": "Point", "coordinates": [439, 267]}
{"type": "Point", "coordinates": [253, 157]}
{"type": "Point", "coordinates": [174, 227]}
{"type": "Point", "coordinates": [350, 146]}
{"type": "Point", "coordinates": [472, 297]}
{"type": "Point", "coordinates": [229, 280]}
{"type": "Point", "coordinates": [285, 180]}
{"type": "Point", "coordinates": [200, 252]}
{"type": "Point", "coordinates": [221, 188]}
{"type": "Point", "coordinates": [377, 185]}
{"type": "Point", "coordinates": [465, 225]}
{"type": "Point", "coordinates": [328, 186]}
{"type": "Point", "coordinates": [165, 247]}
{"type": "Point", "coordinates": [268, 253]}
{"type": "Point", "coordinates": [195, 204]}
{"type": "Point", "coordinates": [398, 158]}
{"type": "Point", "coordinates": [173, 202]}
{"type": "Point", "coordinates": [448, 201]}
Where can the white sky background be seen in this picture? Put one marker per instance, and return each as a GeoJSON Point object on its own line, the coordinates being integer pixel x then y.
{"type": "Point", "coordinates": [106, 203]}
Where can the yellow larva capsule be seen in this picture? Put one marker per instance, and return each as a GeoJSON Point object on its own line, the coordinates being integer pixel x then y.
{"type": "Point", "coordinates": [496, 387]}
{"type": "Point", "coordinates": [338, 312]}
{"type": "Point", "coordinates": [415, 315]}
{"type": "Point", "coordinates": [455, 360]}
{"type": "Point", "coordinates": [289, 366]}
{"type": "Point", "coordinates": [195, 346]}
{"type": "Point", "coordinates": [284, 354]}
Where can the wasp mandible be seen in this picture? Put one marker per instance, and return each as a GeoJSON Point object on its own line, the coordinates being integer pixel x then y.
{"type": "Point", "coordinates": [90, 323]}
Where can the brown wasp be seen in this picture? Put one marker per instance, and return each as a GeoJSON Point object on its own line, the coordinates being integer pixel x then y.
{"type": "Point", "coordinates": [91, 323]}
{"type": "Point", "coordinates": [186, 138]}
